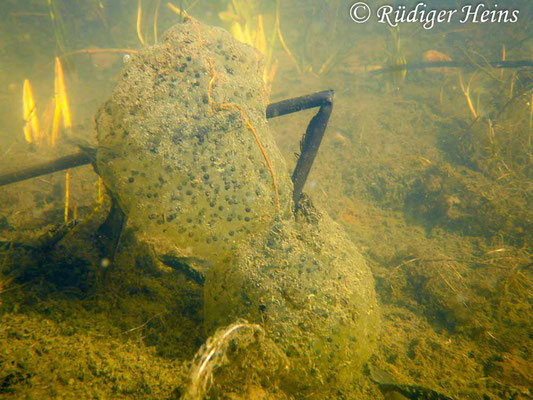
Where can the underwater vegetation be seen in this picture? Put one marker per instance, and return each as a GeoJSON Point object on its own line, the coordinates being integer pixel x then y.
{"type": "Point", "coordinates": [426, 166]}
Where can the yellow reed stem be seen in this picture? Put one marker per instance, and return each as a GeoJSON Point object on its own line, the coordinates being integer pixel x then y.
{"type": "Point", "coordinates": [238, 33]}
{"type": "Point", "coordinates": [139, 18]}
{"type": "Point", "coordinates": [260, 41]}
{"type": "Point", "coordinates": [174, 8]}
{"type": "Point", "coordinates": [61, 102]}
{"type": "Point", "coordinates": [466, 92]}
{"type": "Point", "coordinates": [470, 105]}
{"type": "Point", "coordinates": [177, 10]}
{"type": "Point", "coordinates": [156, 15]}
{"type": "Point", "coordinates": [31, 123]}
{"type": "Point", "coordinates": [67, 194]}
{"type": "Point", "coordinates": [61, 94]}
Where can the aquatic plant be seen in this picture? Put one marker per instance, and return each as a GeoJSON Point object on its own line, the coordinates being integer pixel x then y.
{"type": "Point", "coordinates": [58, 23]}
{"type": "Point", "coordinates": [395, 56]}
{"type": "Point", "coordinates": [62, 109]}
{"type": "Point", "coordinates": [466, 93]}
{"type": "Point", "coordinates": [31, 122]}
{"type": "Point", "coordinates": [246, 24]}
{"type": "Point", "coordinates": [61, 114]}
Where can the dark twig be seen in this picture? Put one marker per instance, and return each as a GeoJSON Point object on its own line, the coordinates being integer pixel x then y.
{"type": "Point", "coordinates": [450, 64]}
{"type": "Point", "coordinates": [296, 104]}
{"type": "Point", "coordinates": [313, 135]}
{"type": "Point", "coordinates": [62, 163]}
{"type": "Point", "coordinates": [309, 144]}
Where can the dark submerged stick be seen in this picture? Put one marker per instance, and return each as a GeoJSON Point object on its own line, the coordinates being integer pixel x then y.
{"type": "Point", "coordinates": [313, 135]}
{"type": "Point", "coordinates": [62, 163]}
{"type": "Point", "coordinates": [296, 104]}
{"type": "Point", "coordinates": [450, 64]}
{"type": "Point", "coordinates": [308, 146]}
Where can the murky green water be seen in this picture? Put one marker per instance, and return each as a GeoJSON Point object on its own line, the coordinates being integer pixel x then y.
{"type": "Point", "coordinates": [404, 271]}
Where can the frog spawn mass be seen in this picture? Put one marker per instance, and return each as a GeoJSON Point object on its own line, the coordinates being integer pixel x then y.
{"type": "Point", "coordinates": [184, 170]}
{"type": "Point", "coordinates": [190, 176]}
